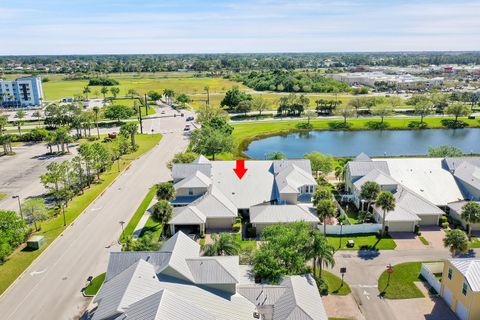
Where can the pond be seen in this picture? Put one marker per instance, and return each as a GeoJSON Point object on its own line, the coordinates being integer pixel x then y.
{"type": "Point", "coordinates": [373, 143]}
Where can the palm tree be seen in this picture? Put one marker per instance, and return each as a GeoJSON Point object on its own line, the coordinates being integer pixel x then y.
{"type": "Point", "coordinates": [321, 253]}
{"type": "Point", "coordinates": [104, 91]}
{"type": "Point", "coordinates": [369, 192]}
{"type": "Point", "coordinates": [386, 201]}
{"type": "Point", "coordinates": [96, 110]}
{"type": "Point", "coordinates": [223, 244]}
{"type": "Point", "coordinates": [169, 94]}
{"type": "Point", "coordinates": [20, 115]}
{"type": "Point", "coordinates": [326, 208]}
{"type": "Point", "coordinates": [130, 129]}
{"type": "Point", "coordinates": [166, 191]}
{"type": "Point", "coordinates": [86, 91]}
{"type": "Point", "coordinates": [456, 240]}
{"type": "Point", "coordinates": [471, 214]}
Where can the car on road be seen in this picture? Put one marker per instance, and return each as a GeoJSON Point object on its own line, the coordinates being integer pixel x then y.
{"type": "Point", "coordinates": [163, 112]}
{"type": "Point", "coordinates": [190, 118]}
{"type": "Point", "coordinates": [187, 128]}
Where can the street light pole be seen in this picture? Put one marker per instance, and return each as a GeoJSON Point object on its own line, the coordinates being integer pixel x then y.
{"type": "Point", "coordinates": [121, 235]}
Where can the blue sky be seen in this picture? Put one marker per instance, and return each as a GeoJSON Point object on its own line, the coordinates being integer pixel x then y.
{"type": "Point", "coordinates": [188, 26]}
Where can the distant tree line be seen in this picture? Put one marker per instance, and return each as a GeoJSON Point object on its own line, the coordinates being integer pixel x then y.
{"type": "Point", "coordinates": [213, 63]}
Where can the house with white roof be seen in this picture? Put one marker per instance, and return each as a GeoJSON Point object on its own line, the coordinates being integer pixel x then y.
{"type": "Point", "coordinates": [176, 283]}
{"type": "Point", "coordinates": [424, 188]}
{"type": "Point", "coordinates": [210, 195]}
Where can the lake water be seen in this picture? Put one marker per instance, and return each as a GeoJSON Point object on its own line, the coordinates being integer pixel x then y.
{"type": "Point", "coordinates": [373, 143]}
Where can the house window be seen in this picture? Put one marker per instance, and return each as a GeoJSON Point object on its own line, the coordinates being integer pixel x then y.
{"type": "Point", "coordinates": [464, 289]}
{"type": "Point", "coordinates": [450, 274]}
{"type": "Point", "coordinates": [190, 192]}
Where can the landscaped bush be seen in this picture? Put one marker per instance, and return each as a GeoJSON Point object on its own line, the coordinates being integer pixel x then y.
{"type": "Point", "coordinates": [339, 125]}
{"type": "Point", "coordinates": [452, 124]}
{"type": "Point", "coordinates": [443, 219]}
{"type": "Point", "coordinates": [238, 220]}
{"type": "Point", "coordinates": [377, 125]}
{"type": "Point", "coordinates": [304, 125]}
{"type": "Point", "coordinates": [444, 225]}
{"type": "Point", "coordinates": [251, 231]}
{"type": "Point", "coordinates": [102, 82]}
{"type": "Point", "coordinates": [417, 125]}
{"type": "Point", "coordinates": [250, 116]}
{"type": "Point", "coordinates": [417, 229]}
{"type": "Point", "coordinates": [321, 285]}
{"type": "Point", "coordinates": [236, 227]}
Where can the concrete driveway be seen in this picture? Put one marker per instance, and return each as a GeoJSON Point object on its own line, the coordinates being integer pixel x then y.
{"type": "Point", "coordinates": [434, 236]}
{"type": "Point", "coordinates": [407, 241]}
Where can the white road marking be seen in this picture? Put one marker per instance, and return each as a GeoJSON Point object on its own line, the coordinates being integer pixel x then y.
{"type": "Point", "coordinates": [96, 209]}
{"type": "Point", "coordinates": [363, 285]}
{"type": "Point", "coordinates": [33, 273]}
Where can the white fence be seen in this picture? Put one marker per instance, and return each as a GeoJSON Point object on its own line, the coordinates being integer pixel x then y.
{"type": "Point", "coordinates": [352, 228]}
{"type": "Point", "coordinates": [428, 271]}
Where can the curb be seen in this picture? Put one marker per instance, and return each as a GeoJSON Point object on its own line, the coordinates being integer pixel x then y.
{"type": "Point", "coordinates": [67, 226]}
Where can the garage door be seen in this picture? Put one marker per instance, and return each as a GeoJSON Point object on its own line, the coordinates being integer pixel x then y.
{"type": "Point", "coordinates": [447, 295]}
{"type": "Point", "coordinates": [461, 311]}
{"type": "Point", "coordinates": [219, 223]}
{"type": "Point", "coordinates": [428, 220]}
{"type": "Point", "coordinates": [400, 226]}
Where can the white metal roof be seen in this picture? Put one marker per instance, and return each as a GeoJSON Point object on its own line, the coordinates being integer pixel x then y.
{"type": "Point", "coordinates": [281, 214]}
{"type": "Point", "coordinates": [164, 305]}
{"type": "Point", "coordinates": [361, 168]}
{"type": "Point", "coordinates": [301, 301]}
{"type": "Point", "coordinates": [469, 173]}
{"type": "Point", "coordinates": [184, 170]}
{"type": "Point", "coordinates": [214, 270]}
{"type": "Point", "coordinates": [201, 159]}
{"type": "Point", "coordinates": [470, 268]}
{"type": "Point", "coordinates": [132, 285]}
{"type": "Point", "coordinates": [426, 177]}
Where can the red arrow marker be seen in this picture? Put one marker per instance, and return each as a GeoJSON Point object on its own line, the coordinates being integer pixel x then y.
{"type": "Point", "coordinates": [240, 169]}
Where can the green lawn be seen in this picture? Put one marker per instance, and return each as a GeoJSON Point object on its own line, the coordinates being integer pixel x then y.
{"type": "Point", "coordinates": [52, 228]}
{"type": "Point", "coordinates": [2, 196]}
{"type": "Point", "coordinates": [402, 280]}
{"type": "Point", "coordinates": [423, 240]}
{"type": "Point", "coordinates": [244, 133]}
{"type": "Point", "coordinates": [362, 241]}
{"type": "Point", "coordinates": [153, 227]}
{"type": "Point", "coordinates": [58, 88]}
{"type": "Point", "coordinates": [245, 245]}
{"type": "Point", "coordinates": [474, 243]}
{"type": "Point", "coordinates": [132, 224]}
{"type": "Point", "coordinates": [335, 284]}
{"type": "Point", "coordinates": [94, 286]}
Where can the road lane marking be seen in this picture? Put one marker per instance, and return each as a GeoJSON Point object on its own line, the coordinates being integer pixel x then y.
{"type": "Point", "coordinates": [33, 273]}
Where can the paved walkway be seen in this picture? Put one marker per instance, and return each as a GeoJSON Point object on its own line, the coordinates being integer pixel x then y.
{"type": "Point", "coordinates": [434, 236]}
{"type": "Point", "coordinates": [407, 241]}
{"type": "Point", "coordinates": [143, 220]}
{"type": "Point", "coordinates": [343, 307]}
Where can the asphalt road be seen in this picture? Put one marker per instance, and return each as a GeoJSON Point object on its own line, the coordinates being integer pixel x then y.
{"type": "Point", "coordinates": [364, 270]}
{"type": "Point", "coordinates": [51, 287]}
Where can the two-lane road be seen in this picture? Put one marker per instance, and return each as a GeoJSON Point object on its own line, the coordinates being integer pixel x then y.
{"type": "Point", "coordinates": [50, 288]}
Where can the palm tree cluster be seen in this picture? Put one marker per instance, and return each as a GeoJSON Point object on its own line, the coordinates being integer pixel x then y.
{"type": "Point", "coordinates": [223, 244]}
{"type": "Point", "coordinates": [68, 178]}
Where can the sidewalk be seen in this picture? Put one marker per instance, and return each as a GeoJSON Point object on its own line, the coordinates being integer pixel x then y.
{"type": "Point", "coordinates": [143, 220]}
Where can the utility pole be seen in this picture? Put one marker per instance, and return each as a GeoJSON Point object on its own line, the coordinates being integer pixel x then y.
{"type": "Point", "coordinates": [19, 205]}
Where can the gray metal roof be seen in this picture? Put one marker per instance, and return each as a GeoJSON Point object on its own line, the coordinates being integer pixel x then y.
{"type": "Point", "coordinates": [201, 159]}
{"type": "Point", "coordinates": [301, 300]}
{"type": "Point", "coordinates": [120, 261]}
{"type": "Point", "coordinates": [187, 215]}
{"type": "Point", "coordinates": [361, 168]}
{"type": "Point", "coordinates": [261, 295]}
{"type": "Point", "coordinates": [215, 204]}
{"type": "Point", "coordinates": [457, 206]}
{"type": "Point", "coordinates": [468, 173]}
{"type": "Point", "coordinates": [304, 164]}
{"type": "Point", "coordinates": [214, 270]}
{"type": "Point", "coordinates": [164, 305]}
{"type": "Point", "coordinates": [292, 177]}
{"type": "Point", "coordinates": [470, 268]}
{"type": "Point", "coordinates": [184, 170]}
{"type": "Point", "coordinates": [281, 214]}
{"type": "Point", "coordinates": [362, 157]}
{"type": "Point", "coordinates": [454, 162]}
{"type": "Point", "coordinates": [132, 285]}
{"type": "Point", "coordinates": [377, 176]}
{"type": "Point", "coordinates": [197, 180]}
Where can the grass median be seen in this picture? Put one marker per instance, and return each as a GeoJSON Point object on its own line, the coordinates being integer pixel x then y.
{"type": "Point", "coordinates": [51, 229]}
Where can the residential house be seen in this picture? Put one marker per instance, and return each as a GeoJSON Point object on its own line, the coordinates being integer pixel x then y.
{"type": "Point", "coordinates": [210, 195]}
{"type": "Point", "coordinates": [455, 211]}
{"type": "Point", "coordinates": [176, 283]}
{"type": "Point", "coordinates": [460, 287]}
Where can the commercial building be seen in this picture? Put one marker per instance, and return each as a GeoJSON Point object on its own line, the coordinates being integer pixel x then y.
{"type": "Point", "coordinates": [21, 92]}
{"type": "Point", "coordinates": [397, 81]}
{"type": "Point", "coordinates": [176, 283]}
